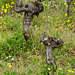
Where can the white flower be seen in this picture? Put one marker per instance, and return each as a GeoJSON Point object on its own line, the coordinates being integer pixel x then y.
{"type": "Point", "coordinates": [41, 43]}
{"type": "Point", "coordinates": [49, 69]}
{"type": "Point", "coordinates": [22, 15]}
{"type": "Point", "coordinates": [45, 39]}
{"type": "Point", "coordinates": [30, 55]}
{"type": "Point", "coordinates": [49, 44]}
{"type": "Point", "coordinates": [12, 59]}
{"type": "Point", "coordinates": [48, 16]}
{"type": "Point", "coordinates": [35, 25]}
{"type": "Point", "coordinates": [44, 65]}
{"type": "Point", "coordinates": [9, 56]}
{"type": "Point", "coordinates": [50, 2]}
{"type": "Point", "coordinates": [19, 58]}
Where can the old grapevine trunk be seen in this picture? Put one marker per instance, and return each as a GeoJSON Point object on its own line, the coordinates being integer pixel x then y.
{"type": "Point", "coordinates": [50, 44]}
{"type": "Point", "coordinates": [30, 9]}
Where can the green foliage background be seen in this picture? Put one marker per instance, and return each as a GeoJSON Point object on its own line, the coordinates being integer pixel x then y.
{"type": "Point", "coordinates": [30, 58]}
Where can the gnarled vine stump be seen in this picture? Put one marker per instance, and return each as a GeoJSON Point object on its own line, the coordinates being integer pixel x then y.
{"type": "Point", "coordinates": [50, 44]}
{"type": "Point", "coordinates": [30, 9]}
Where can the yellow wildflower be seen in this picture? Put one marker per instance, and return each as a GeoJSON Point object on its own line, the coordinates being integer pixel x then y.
{"type": "Point", "coordinates": [0, 23]}
{"type": "Point", "coordinates": [60, 68]}
{"type": "Point", "coordinates": [69, 70]}
{"type": "Point", "coordinates": [60, 21]}
{"type": "Point", "coordinates": [12, 3]}
{"type": "Point", "coordinates": [68, 20]}
{"type": "Point", "coordinates": [69, 25]}
{"type": "Point", "coordinates": [10, 65]}
{"type": "Point", "coordinates": [67, 74]}
{"type": "Point", "coordinates": [64, 3]}
{"type": "Point", "coordinates": [56, 29]}
{"type": "Point", "coordinates": [5, 10]}
{"type": "Point", "coordinates": [74, 3]}
{"type": "Point", "coordinates": [72, 71]}
{"type": "Point", "coordinates": [3, 14]}
{"type": "Point", "coordinates": [46, 5]}
{"type": "Point", "coordinates": [4, 22]}
{"type": "Point", "coordinates": [57, 18]}
{"type": "Point", "coordinates": [11, 6]}
{"type": "Point", "coordinates": [0, 16]}
{"type": "Point", "coordinates": [71, 17]}
{"type": "Point", "coordinates": [43, 16]}
{"type": "Point", "coordinates": [7, 6]}
{"type": "Point", "coordinates": [62, 24]}
{"type": "Point", "coordinates": [2, 7]}
{"type": "Point", "coordinates": [37, 28]}
{"type": "Point", "coordinates": [0, 27]}
{"type": "Point", "coordinates": [66, 14]}
{"type": "Point", "coordinates": [0, 62]}
{"type": "Point", "coordinates": [72, 25]}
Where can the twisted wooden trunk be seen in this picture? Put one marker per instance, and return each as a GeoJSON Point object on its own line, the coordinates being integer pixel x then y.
{"type": "Point", "coordinates": [30, 9]}
{"type": "Point", "coordinates": [50, 44]}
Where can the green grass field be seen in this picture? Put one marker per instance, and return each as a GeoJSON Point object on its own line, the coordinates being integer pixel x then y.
{"type": "Point", "coordinates": [20, 58]}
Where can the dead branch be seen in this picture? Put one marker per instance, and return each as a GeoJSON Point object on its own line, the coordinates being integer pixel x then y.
{"type": "Point", "coordinates": [47, 15]}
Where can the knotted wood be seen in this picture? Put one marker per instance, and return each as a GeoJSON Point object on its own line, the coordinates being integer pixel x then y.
{"type": "Point", "coordinates": [30, 9]}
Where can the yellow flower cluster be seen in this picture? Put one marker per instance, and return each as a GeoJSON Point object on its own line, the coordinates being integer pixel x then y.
{"type": "Point", "coordinates": [3, 24]}
{"type": "Point", "coordinates": [70, 17]}
{"type": "Point", "coordinates": [70, 71]}
{"type": "Point", "coordinates": [9, 64]}
{"type": "Point", "coordinates": [4, 8]}
{"type": "Point", "coordinates": [69, 25]}
{"type": "Point", "coordinates": [8, 6]}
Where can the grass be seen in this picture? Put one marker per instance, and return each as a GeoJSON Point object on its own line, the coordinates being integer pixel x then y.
{"type": "Point", "coordinates": [30, 58]}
